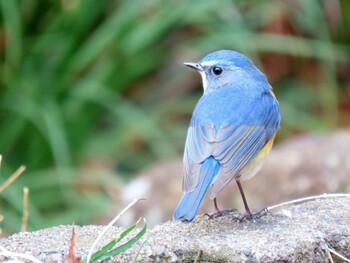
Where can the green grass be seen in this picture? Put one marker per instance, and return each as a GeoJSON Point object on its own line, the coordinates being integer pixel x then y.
{"type": "Point", "coordinates": [102, 81]}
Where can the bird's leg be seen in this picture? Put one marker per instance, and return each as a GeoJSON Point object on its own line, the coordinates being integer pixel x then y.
{"type": "Point", "coordinates": [217, 210]}
{"type": "Point", "coordinates": [248, 214]}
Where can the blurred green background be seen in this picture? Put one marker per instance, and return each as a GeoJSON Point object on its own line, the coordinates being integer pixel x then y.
{"type": "Point", "coordinates": [92, 92]}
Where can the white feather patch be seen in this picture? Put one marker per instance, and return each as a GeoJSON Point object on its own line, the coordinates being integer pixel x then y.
{"type": "Point", "coordinates": [209, 63]}
{"type": "Point", "coordinates": [204, 80]}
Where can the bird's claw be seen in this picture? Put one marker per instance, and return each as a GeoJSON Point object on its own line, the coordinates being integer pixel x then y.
{"type": "Point", "coordinates": [249, 216]}
{"type": "Point", "coordinates": [240, 218]}
{"type": "Point", "coordinates": [259, 214]}
{"type": "Point", "coordinates": [219, 213]}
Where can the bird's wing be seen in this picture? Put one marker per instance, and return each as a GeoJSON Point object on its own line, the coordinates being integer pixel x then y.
{"type": "Point", "coordinates": [232, 145]}
{"type": "Point", "coordinates": [233, 153]}
{"type": "Point", "coordinates": [198, 146]}
{"type": "Point", "coordinates": [236, 145]}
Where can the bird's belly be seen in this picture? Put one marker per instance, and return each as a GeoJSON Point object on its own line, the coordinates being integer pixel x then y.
{"type": "Point", "coordinates": [256, 163]}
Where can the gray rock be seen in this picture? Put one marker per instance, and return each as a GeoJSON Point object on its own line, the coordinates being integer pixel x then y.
{"type": "Point", "coordinates": [298, 233]}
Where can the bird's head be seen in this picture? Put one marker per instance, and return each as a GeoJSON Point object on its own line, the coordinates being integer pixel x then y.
{"type": "Point", "coordinates": [226, 67]}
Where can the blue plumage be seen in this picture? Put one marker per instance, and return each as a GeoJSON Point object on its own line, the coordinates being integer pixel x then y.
{"type": "Point", "coordinates": [230, 128]}
{"type": "Point", "coordinates": [189, 203]}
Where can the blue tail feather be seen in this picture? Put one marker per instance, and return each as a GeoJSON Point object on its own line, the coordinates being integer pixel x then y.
{"type": "Point", "coordinates": [190, 201]}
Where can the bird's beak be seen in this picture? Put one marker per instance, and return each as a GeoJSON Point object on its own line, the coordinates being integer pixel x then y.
{"type": "Point", "coordinates": [196, 66]}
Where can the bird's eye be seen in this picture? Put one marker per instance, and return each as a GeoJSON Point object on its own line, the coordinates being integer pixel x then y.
{"type": "Point", "coordinates": [217, 70]}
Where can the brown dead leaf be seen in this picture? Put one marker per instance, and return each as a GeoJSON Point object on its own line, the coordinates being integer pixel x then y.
{"type": "Point", "coordinates": [71, 256]}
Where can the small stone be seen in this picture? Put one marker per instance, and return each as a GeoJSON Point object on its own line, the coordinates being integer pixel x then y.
{"type": "Point", "coordinates": [173, 256]}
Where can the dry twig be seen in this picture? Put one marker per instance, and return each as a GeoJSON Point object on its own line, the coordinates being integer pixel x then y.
{"type": "Point", "coordinates": [25, 209]}
{"type": "Point", "coordinates": [338, 255]}
{"type": "Point", "coordinates": [12, 178]}
{"type": "Point", "coordinates": [301, 200]}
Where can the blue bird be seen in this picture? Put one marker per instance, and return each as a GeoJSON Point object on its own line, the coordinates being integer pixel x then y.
{"type": "Point", "coordinates": [232, 129]}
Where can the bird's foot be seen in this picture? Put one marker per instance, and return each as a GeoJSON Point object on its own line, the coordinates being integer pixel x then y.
{"type": "Point", "coordinates": [259, 214]}
{"type": "Point", "coordinates": [249, 216]}
{"type": "Point", "coordinates": [220, 213]}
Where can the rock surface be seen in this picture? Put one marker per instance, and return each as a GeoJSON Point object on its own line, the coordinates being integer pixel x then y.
{"type": "Point", "coordinates": [298, 233]}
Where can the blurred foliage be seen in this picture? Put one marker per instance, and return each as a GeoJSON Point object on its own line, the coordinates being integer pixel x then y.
{"type": "Point", "coordinates": [93, 91]}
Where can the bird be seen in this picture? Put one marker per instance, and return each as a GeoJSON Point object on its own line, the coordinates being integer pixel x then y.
{"type": "Point", "coordinates": [232, 129]}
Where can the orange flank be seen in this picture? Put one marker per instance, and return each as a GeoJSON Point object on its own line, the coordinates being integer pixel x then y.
{"type": "Point", "coordinates": [256, 163]}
